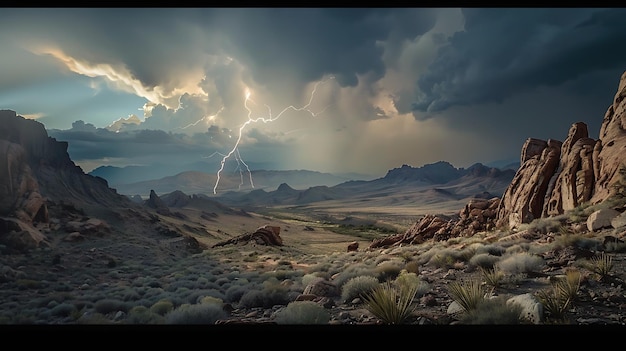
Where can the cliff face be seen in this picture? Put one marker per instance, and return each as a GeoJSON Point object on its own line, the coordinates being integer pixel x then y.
{"type": "Point", "coordinates": [555, 177]}
{"type": "Point", "coordinates": [35, 169]}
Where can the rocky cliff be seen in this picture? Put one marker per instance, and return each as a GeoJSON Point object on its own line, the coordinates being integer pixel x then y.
{"type": "Point", "coordinates": [36, 170]}
{"type": "Point", "coordinates": [555, 176]}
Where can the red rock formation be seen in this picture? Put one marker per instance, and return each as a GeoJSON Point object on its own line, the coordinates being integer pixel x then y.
{"type": "Point", "coordinates": [611, 152]}
{"type": "Point", "coordinates": [523, 200]}
{"type": "Point", "coordinates": [265, 235]}
{"type": "Point", "coordinates": [575, 178]}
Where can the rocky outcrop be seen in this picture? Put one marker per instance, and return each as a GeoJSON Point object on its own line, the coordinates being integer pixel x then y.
{"type": "Point", "coordinates": [611, 150]}
{"type": "Point", "coordinates": [156, 203]}
{"type": "Point", "coordinates": [36, 172]}
{"type": "Point", "coordinates": [58, 178]}
{"type": "Point", "coordinates": [523, 200]}
{"type": "Point", "coordinates": [265, 235]}
{"type": "Point", "coordinates": [478, 215]}
{"type": "Point", "coordinates": [553, 178]}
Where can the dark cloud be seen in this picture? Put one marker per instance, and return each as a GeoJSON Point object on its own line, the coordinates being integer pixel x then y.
{"type": "Point", "coordinates": [504, 52]}
{"type": "Point", "coordinates": [309, 43]}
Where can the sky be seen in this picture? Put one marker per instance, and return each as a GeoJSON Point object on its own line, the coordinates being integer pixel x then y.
{"type": "Point", "coordinates": [338, 90]}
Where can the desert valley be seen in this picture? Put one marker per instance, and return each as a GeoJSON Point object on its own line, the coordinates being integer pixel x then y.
{"type": "Point", "coordinates": [537, 243]}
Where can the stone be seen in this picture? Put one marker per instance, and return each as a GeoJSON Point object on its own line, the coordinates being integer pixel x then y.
{"type": "Point", "coordinates": [601, 219]}
{"type": "Point", "coordinates": [532, 309]}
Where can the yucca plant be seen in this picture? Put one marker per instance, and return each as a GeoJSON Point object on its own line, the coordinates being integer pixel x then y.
{"type": "Point", "coordinates": [468, 294]}
{"type": "Point", "coordinates": [557, 300]}
{"type": "Point", "coordinates": [391, 304]}
{"type": "Point", "coordinates": [554, 303]}
{"type": "Point", "coordinates": [602, 265]}
{"type": "Point", "coordinates": [492, 276]}
{"type": "Point", "coordinates": [569, 286]}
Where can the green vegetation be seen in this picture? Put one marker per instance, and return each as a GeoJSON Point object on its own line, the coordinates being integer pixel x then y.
{"type": "Point", "coordinates": [558, 299]}
{"type": "Point", "coordinates": [468, 294]}
{"type": "Point", "coordinates": [390, 303]}
{"type": "Point", "coordinates": [602, 265]}
{"type": "Point", "coordinates": [303, 312]}
{"type": "Point", "coordinates": [358, 287]}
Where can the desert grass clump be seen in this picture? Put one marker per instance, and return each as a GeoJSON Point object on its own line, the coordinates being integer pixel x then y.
{"type": "Point", "coordinates": [302, 312]}
{"type": "Point", "coordinates": [521, 263]}
{"type": "Point", "coordinates": [543, 225]}
{"type": "Point", "coordinates": [391, 303]}
{"type": "Point", "coordinates": [468, 293]}
{"type": "Point", "coordinates": [484, 260]}
{"type": "Point", "coordinates": [602, 265]}
{"type": "Point", "coordinates": [203, 313]}
{"type": "Point", "coordinates": [357, 287]}
{"type": "Point", "coordinates": [494, 311]}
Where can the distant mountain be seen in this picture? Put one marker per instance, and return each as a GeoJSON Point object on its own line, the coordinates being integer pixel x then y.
{"type": "Point", "coordinates": [430, 183]}
{"type": "Point", "coordinates": [195, 182]}
{"type": "Point", "coordinates": [512, 163]}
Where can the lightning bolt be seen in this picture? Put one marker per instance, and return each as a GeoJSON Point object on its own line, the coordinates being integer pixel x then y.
{"type": "Point", "coordinates": [270, 118]}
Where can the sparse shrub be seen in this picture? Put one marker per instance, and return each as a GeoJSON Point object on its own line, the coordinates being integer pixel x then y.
{"type": "Point", "coordinates": [412, 267]}
{"type": "Point", "coordinates": [63, 310]}
{"type": "Point", "coordinates": [235, 292]}
{"type": "Point", "coordinates": [302, 312]}
{"type": "Point", "coordinates": [143, 315]}
{"type": "Point", "coordinates": [162, 307]}
{"type": "Point", "coordinates": [467, 253]}
{"type": "Point", "coordinates": [203, 313]}
{"type": "Point", "coordinates": [391, 303]}
{"type": "Point", "coordinates": [407, 280]}
{"type": "Point", "coordinates": [353, 271]}
{"type": "Point", "coordinates": [543, 225]}
{"type": "Point", "coordinates": [94, 318]}
{"type": "Point", "coordinates": [24, 284]}
{"type": "Point", "coordinates": [562, 241]}
{"type": "Point", "coordinates": [308, 278]}
{"type": "Point", "coordinates": [388, 270]}
{"type": "Point", "coordinates": [110, 305]}
{"type": "Point", "coordinates": [442, 260]}
{"type": "Point", "coordinates": [521, 263]}
{"type": "Point", "coordinates": [615, 246]}
{"type": "Point", "coordinates": [494, 311]}
{"type": "Point", "coordinates": [357, 287]}
{"type": "Point", "coordinates": [494, 250]}
{"type": "Point", "coordinates": [272, 294]}
{"type": "Point", "coordinates": [484, 260]}
{"type": "Point", "coordinates": [468, 293]}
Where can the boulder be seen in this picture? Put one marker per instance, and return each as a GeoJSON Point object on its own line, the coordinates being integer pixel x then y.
{"type": "Point", "coordinates": [601, 219]}
{"type": "Point", "coordinates": [532, 309]}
